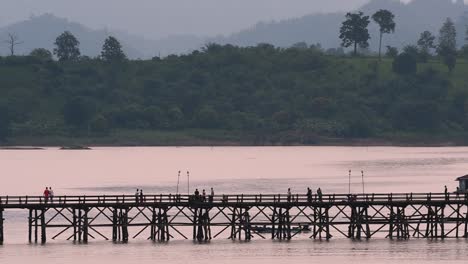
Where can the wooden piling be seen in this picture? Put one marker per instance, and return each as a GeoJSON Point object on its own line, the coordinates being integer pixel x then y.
{"type": "Point", "coordinates": [2, 238]}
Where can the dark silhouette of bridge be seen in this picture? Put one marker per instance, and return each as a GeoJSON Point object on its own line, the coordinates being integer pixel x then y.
{"type": "Point", "coordinates": [243, 217]}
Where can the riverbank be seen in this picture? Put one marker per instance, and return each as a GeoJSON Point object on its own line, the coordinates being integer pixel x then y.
{"type": "Point", "coordinates": [232, 138]}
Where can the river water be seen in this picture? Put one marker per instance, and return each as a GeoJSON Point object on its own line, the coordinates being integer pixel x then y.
{"type": "Point", "coordinates": [230, 170]}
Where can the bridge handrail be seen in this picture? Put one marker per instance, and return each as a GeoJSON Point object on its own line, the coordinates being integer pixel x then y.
{"type": "Point", "coordinates": [239, 198]}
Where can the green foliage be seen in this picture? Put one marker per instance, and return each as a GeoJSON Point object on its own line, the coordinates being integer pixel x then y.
{"type": "Point", "coordinates": [77, 111]}
{"type": "Point", "coordinates": [392, 52]}
{"type": "Point", "coordinates": [405, 64]}
{"type": "Point", "coordinates": [261, 94]}
{"type": "Point", "coordinates": [41, 54]}
{"type": "Point", "coordinates": [385, 20]}
{"type": "Point", "coordinates": [67, 47]}
{"type": "Point", "coordinates": [354, 31]}
{"type": "Point", "coordinates": [426, 44]}
{"type": "Point", "coordinates": [447, 47]}
{"type": "Point", "coordinates": [112, 50]}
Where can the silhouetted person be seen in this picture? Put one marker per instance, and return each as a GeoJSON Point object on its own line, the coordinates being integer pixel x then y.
{"type": "Point", "coordinates": [203, 195]}
{"type": "Point", "coordinates": [211, 195]}
{"type": "Point", "coordinates": [309, 195]}
{"type": "Point", "coordinates": [46, 195]}
{"type": "Point", "coordinates": [289, 195]}
{"type": "Point", "coordinates": [51, 194]}
{"type": "Point", "coordinates": [137, 193]}
{"type": "Point", "coordinates": [141, 196]}
{"type": "Point", "coordinates": [197, 195]}
{"type": "Point", "coordinates": [319, 193]}
{"type": "Point", "coordinates": [446, 193]}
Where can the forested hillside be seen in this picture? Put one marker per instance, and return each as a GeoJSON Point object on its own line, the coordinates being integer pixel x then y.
{"type": "Point", "coordinates": [231, 95]}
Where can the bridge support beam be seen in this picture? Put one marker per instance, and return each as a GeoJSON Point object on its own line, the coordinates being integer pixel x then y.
{"type": "Point", "coordinates": [120, 224]}
{"type": "Point", "coordinates": [201, 224]}
{"type": "Point", "coordinates": [80, 224]}
{"type": "Point", "coordinates": [37, 221]}
{"type": "Point", "coordinates": [398, 223]}
{"type": "Point", "coordinates": [321, 223]}
{"type": "Point", "coordinates": [281, 224]}
{"type": "Point", "coordinates": [435, 225]}
{"type": "Point", "coordinates": [240, 224]}
{"type": "Point", "coordinates": [2, 237]}
{"type": "Point", "coordinates": [160, 225]}
{"type": "Point", "coordinates": [359, 223]}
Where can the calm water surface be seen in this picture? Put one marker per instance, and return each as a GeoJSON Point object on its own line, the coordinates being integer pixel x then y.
{"type": "Point", "coordinates": [230, 170]}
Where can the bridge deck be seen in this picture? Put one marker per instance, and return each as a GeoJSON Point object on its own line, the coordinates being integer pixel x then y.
{"type": "Point", "coordinates": [244, 216]}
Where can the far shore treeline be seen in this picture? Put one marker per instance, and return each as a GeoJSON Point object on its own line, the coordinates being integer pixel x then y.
{"type": "Point", "coordinates": [224, 94]}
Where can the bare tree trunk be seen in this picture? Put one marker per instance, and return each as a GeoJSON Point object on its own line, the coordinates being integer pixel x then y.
{"type": "Point", "coordinates": [355, 48]}
{"type": "Point", "coordinates": [380, 46]}
{"type": "Point", "coordinates": [12, 42]}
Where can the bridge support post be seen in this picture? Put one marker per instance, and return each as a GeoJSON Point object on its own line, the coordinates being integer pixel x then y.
{"type": "Point", "coordinates": [321, 223]}
{"type": "Point", "coordinates": [160, 225]}
{"type": "Point", "coordinates": [2, 238]}
{"type": "Point", "coordinates": [120, 224]}
{"type": "Point", "coordinates": [201, 224]}
{"type": "Point", "coordinates": [398, 224]}
{"type": "Point", "coordinates": [281, 224]}
{"type": "Point", "coordinates": [435, 226]}
{"type": "Point", "coordinates": [240, 224]}
{"type": "Point", "coordinates": [359, 223]}
{"type": "Point", "coordinates": [80, 224]}
{"type": "Point", "coordinates": [36, 221]}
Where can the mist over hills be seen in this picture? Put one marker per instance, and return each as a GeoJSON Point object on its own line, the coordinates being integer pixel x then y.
{"type": "Point", "coordinates": [411, 19]}
{"type": "Point", "coordinates": [41, 32]}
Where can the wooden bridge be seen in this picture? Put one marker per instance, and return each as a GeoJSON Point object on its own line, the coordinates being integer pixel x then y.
{"type": "Point", "coordinates": [242, 217]}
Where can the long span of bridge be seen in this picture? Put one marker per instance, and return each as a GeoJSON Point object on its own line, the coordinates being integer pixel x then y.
{"type": "Point", "coordinates": [241, 217]}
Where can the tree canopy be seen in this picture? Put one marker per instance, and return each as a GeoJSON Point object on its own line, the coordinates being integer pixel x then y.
{"type": "Point", "coordinates": [354, 31]}
{"type": "Point", "coordinates": [385, 20]}
{"type": "Point", "coordinates": [112, 50]}
{"type": "Point", "coordinates": [67, 47]}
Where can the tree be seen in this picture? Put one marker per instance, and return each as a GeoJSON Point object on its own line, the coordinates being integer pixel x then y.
{"type": "Point", "coordinates": [67, 47]}
{"type": "Point", "coordinates": [384, 19]}
{"type": "Point", "coordinates": [42, 54]}
{"type": "Point", "coordinates": [112, 50]}
{"type": "Point", "coordinates": [405, 64]}
{"type": "Point", "coordinates": [13, 41]}
{"type": "Point", "coordinates": [354, 31]}
{"type": "Point", "coordinates": [426, 44]}
{"type": "Point", "coordinates": [413, 51]}
{"type": "Point", "coordinates": [392, 52]}
{"type": "Point", "coordinates": [447, 48]}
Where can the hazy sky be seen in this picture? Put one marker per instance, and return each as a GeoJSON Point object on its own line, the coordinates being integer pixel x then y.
{"type": "Point", "coordinates": [158, 18]}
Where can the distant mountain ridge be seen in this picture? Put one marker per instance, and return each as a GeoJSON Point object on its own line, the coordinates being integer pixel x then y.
{"type": "Point", "coordinates": [41, 32]}
{"type": "Point", "coordinates": [411, 19]}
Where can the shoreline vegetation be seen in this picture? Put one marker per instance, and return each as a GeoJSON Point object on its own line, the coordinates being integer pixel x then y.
{"type": "Point", "coordinates": [200, 138]}
{"type": "Point", "coordinates": [225, 95]}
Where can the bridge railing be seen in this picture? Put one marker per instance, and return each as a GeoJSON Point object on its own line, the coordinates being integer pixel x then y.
{"type": "Point", "coordinates": [232, 198]}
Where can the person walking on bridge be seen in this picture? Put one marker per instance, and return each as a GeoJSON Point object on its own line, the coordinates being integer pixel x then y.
{"type": "Point", "coordinates": [211, 195]}
{"type": "Point", "coordinates": [142, 196]}
{"type": "Point", "coordinates": [289, 195]}
{"type": "Point", "coordinates": [137, 193]}
{"type": "Point", "coordinates": [46, 194]}
{"type": "Point", "coordinates": [51, 194]}
{"type": "Point", "coordinates": [309, 195]}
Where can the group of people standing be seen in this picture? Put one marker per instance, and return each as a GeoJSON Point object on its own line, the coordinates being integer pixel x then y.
{"type": "Point", "coordinates": [139, 197]}
{"type": "Point", "coordinates": [309, 195]}
{"type": "Point", "coordinates": [48, 194]}
{"type": "Point", "coordinates": [202, 197]}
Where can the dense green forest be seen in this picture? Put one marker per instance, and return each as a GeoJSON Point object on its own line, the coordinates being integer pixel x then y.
{"type": "Point", "coordinates": [240, 95]}
{"type": "Point", "coordinates": [256, 95]}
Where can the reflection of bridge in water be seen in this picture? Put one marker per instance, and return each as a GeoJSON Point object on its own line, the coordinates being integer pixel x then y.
{"type": "Point", "coordinates": [242, 217]}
